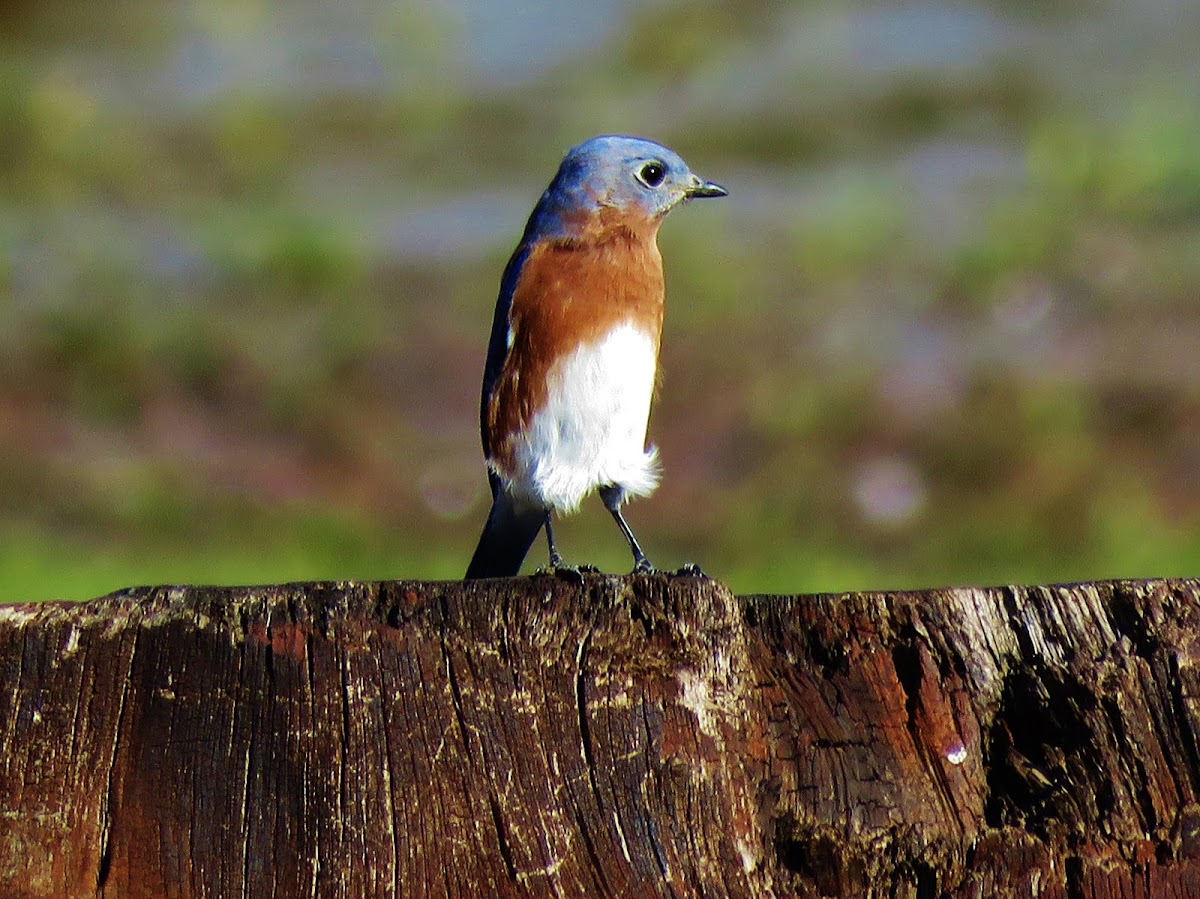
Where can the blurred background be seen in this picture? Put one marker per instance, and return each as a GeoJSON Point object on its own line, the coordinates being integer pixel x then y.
{"type": "Point", "coordinates": [946, 329]}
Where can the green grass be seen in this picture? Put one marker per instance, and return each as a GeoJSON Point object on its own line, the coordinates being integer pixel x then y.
{"type": "Point", "coordinates": [211, 304]}
{"type": "Point", "coordinates": [49, 565]}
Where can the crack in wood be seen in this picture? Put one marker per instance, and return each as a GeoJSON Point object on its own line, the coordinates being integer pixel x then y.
{"type": "Point", "coordinates": [389, 785]}
{"type": "Point", "coordinates": [456, 699]}
{"type": "Point", "coordinates": [506, 852]}
{"type": "Point", "coordinates": [107, 814]}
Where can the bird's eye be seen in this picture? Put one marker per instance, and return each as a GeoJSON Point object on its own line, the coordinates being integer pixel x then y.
{"type": "Point", "coordinates": [652, 174]}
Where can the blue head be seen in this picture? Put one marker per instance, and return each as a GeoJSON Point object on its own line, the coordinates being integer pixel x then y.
{"type": "Point", "coordinates": [636, 179]}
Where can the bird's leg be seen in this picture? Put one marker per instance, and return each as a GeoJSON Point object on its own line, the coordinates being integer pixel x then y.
{"type": "Point", "coordinates": [612, 495]}
{"type": "Point", "coordinates": [558, 567]}
{"type": "Point", "coordinates": [556, 561]}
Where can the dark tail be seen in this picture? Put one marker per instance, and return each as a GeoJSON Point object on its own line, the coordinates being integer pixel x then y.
{"type": "Point", "coordinates": [506, 539]}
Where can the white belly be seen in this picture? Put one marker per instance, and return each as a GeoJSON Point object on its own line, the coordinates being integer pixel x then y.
{"type": "Point", "coordinates": [592, 430]}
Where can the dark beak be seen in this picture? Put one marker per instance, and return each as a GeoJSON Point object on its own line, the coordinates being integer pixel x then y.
{"type": "Point", "coordinates": [702, 188]}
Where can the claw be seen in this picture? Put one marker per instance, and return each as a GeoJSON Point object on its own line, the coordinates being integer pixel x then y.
{"type": "Point", "coordinates": [643, 566]}
{"type": "Point", "coordinates": [565, 572]}
{"type": "Point", "coordinates": [571, 573]}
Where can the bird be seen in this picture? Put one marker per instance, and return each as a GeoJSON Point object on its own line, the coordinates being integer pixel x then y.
{"type": "Point", "coordinates": [573, 354]}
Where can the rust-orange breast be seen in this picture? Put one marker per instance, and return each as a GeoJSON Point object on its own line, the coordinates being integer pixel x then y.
{"type": "Point", "coordinates": [571, 292]}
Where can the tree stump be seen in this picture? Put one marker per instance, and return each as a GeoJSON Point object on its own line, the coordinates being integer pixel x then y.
{"type": "Point", "coordinates": [610, 736]}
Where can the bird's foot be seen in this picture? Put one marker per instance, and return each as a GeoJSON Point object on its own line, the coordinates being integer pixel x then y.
{"type": "Point", "coordinates": [570, 573]}
{"type": "Point", "coordinates": [642, 565]}
{"type": "Point", "coordinates": [691, 569]}
{"type": "Point", "coordinates": [561, 570]}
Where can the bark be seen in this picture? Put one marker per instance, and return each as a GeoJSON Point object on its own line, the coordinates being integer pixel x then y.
{"type": "Point", "coordinates": [641, 736]}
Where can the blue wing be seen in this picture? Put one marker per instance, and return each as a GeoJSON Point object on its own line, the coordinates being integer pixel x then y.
{"type": "Point", "coordinates": [545, 221]}
{"type": "Point", "coordinates": [498, 342]}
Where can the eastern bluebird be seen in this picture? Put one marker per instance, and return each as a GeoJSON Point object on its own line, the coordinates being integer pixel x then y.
{"type": "Point", "coordinates": [574, 347]}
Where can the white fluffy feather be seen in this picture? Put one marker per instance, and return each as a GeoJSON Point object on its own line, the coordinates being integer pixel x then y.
{"type": "Point", "coordinates": [592, 430]}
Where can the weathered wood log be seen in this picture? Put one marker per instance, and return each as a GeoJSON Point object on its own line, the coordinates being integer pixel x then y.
{"type": "Point", "coordinates": [642, 736]}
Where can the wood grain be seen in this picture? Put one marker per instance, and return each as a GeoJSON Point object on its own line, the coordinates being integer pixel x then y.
{"type": "Point", "coordinates": [642, 736]}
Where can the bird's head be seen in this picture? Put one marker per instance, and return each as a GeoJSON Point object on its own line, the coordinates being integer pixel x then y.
{"type": "Point", "coordinates": [629, 178]}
